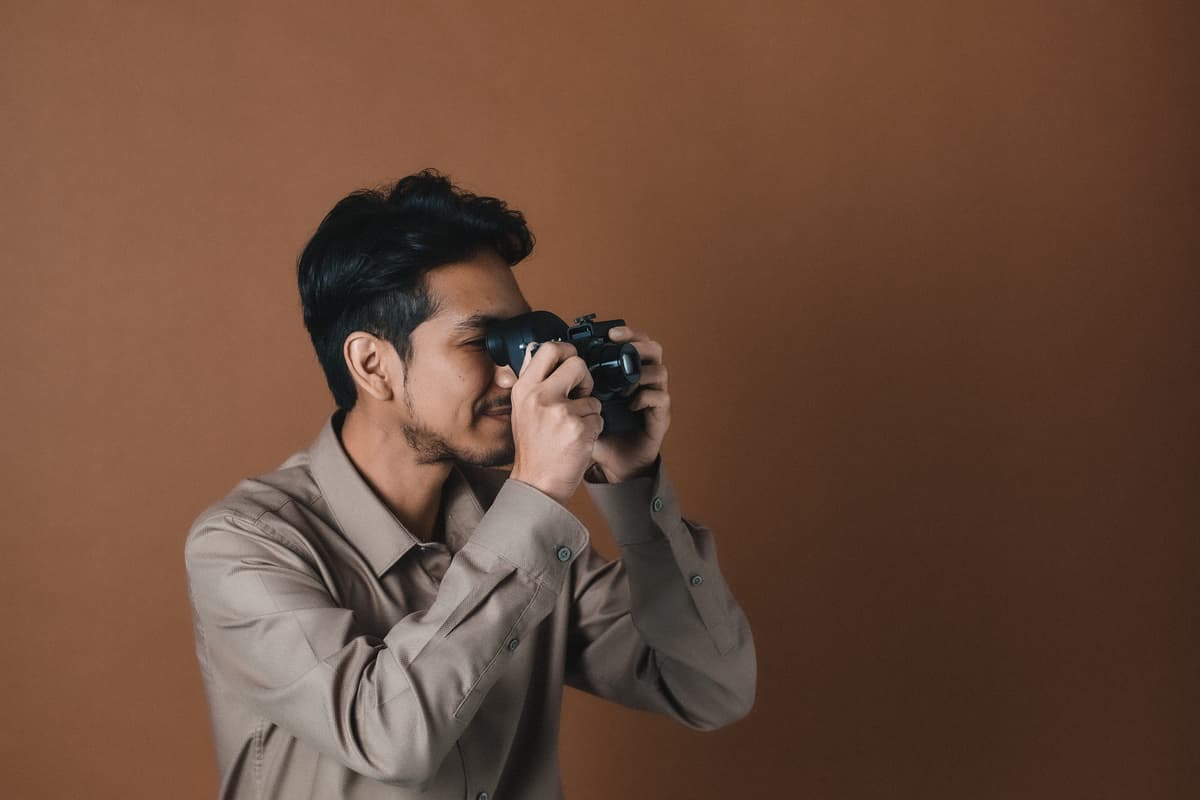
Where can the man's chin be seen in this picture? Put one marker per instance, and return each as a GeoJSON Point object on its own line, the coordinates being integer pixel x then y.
{"type": "Point", "coordinates": [491, 457]}
{"type": "Point", "coordinates": [491, 460]}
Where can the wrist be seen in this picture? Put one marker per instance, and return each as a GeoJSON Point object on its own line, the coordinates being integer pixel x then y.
{"type": "Point", "coordinates": [644, 471]}
{"type": "Point", "coordinates": [554, 493]}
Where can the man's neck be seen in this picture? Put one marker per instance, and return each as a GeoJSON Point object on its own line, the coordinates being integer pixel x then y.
{"type": "Point", "coordinates": [413, 491]}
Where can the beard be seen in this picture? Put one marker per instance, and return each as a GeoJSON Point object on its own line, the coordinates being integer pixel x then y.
{"type": "Point", "coordinates": [432, 447]}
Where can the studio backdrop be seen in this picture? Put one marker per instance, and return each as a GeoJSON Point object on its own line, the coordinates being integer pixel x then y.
{"type": "Point", "coordinates": [925, 278]}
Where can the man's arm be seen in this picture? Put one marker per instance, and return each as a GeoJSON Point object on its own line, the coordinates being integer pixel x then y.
{"type": "Point", "coordinates": [658, 629]}
{"type": "Point", "coordinates": [387, 708]}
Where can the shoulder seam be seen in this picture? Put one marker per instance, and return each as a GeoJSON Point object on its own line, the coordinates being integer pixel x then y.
{"type": "Point", "coordinates": [257, 522]}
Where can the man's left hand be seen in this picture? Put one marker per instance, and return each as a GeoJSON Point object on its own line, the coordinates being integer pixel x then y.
{"type": "Point", "coordinates": [622, 456]}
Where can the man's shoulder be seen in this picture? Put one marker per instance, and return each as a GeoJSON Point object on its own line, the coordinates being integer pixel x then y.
{"type": "Point", "coordinates": [271, 502]}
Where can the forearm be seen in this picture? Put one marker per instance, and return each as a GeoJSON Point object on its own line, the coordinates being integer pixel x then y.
{"type": "Point", "coordinates": [682, 631]}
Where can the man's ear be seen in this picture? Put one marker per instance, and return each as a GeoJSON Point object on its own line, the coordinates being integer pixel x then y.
{"type": "Point", "coordinates": [373, 363]}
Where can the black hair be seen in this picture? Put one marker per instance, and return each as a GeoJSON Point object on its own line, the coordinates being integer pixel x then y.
{"type": "Point", "coordinates": [364, 268]}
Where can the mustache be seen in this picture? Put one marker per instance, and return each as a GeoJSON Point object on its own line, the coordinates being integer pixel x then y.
{"type": "Point", "coordinates": [499, 408]}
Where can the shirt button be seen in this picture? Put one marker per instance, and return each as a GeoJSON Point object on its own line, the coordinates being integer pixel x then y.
{"type": "Point", "coordinates": [564, 553]}
{"type": "Point", "coordinates": [697, 580]}
{"type": "Point", "coordinates": [657, 504]}
{"type": "Point", "coordinates": [512, 644]}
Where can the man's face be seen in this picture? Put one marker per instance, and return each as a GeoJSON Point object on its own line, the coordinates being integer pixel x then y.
{"type": "Point", "coordinates": [451, 381]}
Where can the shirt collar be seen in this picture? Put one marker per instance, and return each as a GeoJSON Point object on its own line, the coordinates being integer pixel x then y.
{"type": "Point", "coordinates": [366, 521]}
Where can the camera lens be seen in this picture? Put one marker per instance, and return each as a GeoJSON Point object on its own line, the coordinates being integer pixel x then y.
{"type": "Point", "coordinates": [614, 367]}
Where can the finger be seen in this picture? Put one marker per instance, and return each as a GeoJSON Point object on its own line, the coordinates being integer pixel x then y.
{"type": "Point", "coordinates": [649, 351]}
{"type": "Point", "coordinates": [655, 405]}
{"type": "Point", "coordinates": [571, 378]}
{"type": "Point", "coordinates": [654, 376]}
{"type": "Point", "coordinates": [624, 333]}
{"type": "Point", "coordinates": [547, 357]}
{"type": "Point", "coordinates": [593, 424]}
{"type": "Point", "coordinates": [584, 406]}
{"type": "Point", "coordinates": [650, 398]}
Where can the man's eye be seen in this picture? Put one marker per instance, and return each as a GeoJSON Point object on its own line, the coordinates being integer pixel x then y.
{"type": "Point", "coordinates": [475, 342]}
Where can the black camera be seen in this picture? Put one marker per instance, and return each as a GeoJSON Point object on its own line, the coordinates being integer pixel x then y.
{"type": "Point", "coordinates": [616, 367]}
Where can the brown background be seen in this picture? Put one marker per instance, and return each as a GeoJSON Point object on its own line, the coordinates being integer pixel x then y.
{"type": "Point", "coordinates": [925, 275]}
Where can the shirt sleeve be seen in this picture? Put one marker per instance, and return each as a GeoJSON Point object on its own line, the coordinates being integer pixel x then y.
{"type": "Point", "coordinates": [387, 708]}
{"type": "Point", "coordinates": [658, 629]}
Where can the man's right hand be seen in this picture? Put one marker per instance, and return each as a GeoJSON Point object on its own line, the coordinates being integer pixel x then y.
{"type": "Point", "coordinates": [555, 420]}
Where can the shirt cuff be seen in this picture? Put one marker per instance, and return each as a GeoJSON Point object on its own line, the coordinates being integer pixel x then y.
{"type": "Point", "coordinates": [638, 510]}
{"type": "Point", "coordinates": [533, 531]}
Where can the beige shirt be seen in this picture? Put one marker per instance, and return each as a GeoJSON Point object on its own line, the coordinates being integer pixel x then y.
{"type": "Point", "coordinates": [344, 658]}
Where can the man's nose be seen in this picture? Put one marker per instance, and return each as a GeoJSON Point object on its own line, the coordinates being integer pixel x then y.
{"type": "Point", "coordinates": [505, 377]}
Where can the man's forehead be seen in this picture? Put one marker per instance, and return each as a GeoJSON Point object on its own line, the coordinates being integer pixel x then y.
{"type": "Point", "coordinates": [470, 295]}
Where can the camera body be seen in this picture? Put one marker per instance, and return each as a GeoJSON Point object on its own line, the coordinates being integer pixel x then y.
{"type": "Point", "coordinates": [615, 367]}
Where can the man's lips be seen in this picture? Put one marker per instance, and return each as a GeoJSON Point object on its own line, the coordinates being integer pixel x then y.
{"type": "Point", "coordinates": [498, 412]}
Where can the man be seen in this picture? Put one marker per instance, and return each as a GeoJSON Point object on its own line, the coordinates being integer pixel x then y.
{"type": "Point", "coordinates": [386, 615]}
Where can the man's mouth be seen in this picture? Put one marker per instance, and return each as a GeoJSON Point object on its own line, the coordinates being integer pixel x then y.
{"type": "Point", "coordinates": [499, 412]}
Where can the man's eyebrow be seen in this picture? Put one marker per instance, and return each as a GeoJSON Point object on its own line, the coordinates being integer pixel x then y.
{"type": "Point", "coordinates": [475, 322]}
